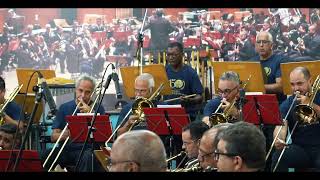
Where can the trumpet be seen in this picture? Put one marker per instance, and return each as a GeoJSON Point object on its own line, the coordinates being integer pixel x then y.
{"type": "Point", "coordinates": [182, 153]}
{"type": "Point", "coordinates": [217, 118]}
{"type": "Point", "coordinates": [6, 102]}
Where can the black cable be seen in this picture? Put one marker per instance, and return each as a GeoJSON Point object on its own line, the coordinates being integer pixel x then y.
{"type": "Point", "coordinates": [21, 113]}
{"type": "Point", "coordinates": [94, 116]}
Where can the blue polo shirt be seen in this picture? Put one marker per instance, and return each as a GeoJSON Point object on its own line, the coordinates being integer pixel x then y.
{"type": "Point", "coordinates": [13, 110]}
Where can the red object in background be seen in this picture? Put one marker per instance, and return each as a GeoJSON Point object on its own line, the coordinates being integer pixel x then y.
{"type": "Point", "coordinates": [13, 45]}
{"type": "Point", "coordinates": [29, 161]}
{"type": "Point", "coordinates": [189, 42]}
{"type": "Point", "coordinates": [121, 36]}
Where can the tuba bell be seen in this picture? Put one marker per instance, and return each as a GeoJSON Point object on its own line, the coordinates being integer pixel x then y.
{"type": "Point", "coordinates": [305, 113]}
{"type": "Point", "coordinates": [6, 102]}
{"type": "Point", "coordinates": [217, 118]}
{"type": "Point", "coordinates": [141, 103]}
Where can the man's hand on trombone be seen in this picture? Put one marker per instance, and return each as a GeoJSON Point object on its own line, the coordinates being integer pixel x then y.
{"type": "Point", "coordinates": [83, 107]}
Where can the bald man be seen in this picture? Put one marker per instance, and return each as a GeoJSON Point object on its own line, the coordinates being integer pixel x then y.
{"type": "Point", "coordinates": [138, 151]}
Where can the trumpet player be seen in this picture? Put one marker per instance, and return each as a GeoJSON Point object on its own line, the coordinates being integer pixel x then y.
{"type": "Point", "coordinates": [191, 135]}
{"type": "Point", "coordinates": [304, 151]}
{"type": "Point", "coordinates": [10, 113]}
{"type": "Point", "coordinates": [228, 90]}
{"type": "Point", "coordinates": [208, 145]}
{"type": "Point", "coordinates": [84, 88]}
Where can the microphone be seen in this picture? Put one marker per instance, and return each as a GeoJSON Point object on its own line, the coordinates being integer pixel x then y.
{"type": "Point", "coordinates": [47, 95]}
{"type": "Point", "coordinates": [115, 79]}
{"type": "Point", "coordinates": [241, 102]}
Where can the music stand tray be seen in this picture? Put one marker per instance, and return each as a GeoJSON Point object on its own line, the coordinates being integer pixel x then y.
{"type": "Point", "coordinates": [79, 126]}
{"type": "Point", "coordinates": [262, 109]}
{"type": "Point", "coordinates": [156, 121]}
{"type": "Point", "coordinates": [29, 161]}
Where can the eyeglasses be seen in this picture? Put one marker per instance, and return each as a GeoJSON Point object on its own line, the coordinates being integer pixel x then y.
{"type": "Point", "coordinates": [140, 90]}
{"type": "Point", "coordinates": [193, 141]}
{"type": "Point", "coordinates": [262, 41]}
{"type": "Point", "coordinates": [226, 91]}
{"type": "Point", "coordinates": [205, 155]}
{"type": "Point", "coordinates": [217, 154]}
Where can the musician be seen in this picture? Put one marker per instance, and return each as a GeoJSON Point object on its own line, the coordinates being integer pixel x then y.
{"type": "Point", "coordinates": [13, 23]}
{"type": "Point", "coordinates": [245, 48]}
{"type": "Point", "coordinates": [191, 135]}
{"type": "Point", "coordinates": [7, 133]}
{"type": "Point", "coordinates": [98, 26]}
{"type": "Point", "coordinates": [143, 87]}
{"type": "Point", "coordinates": [138, 151]}
{"type": "Point", "coordinates": [85, 86]}
{"type": "Point", "coordinates": [4, 53]}
{"type": "Point", "coordinates": [304, 151]}
{"type": "Point", "coordinates": [315, 16]}
{"type": "Point", "coordinates": [241, 148]}
{"type": "Point", "coordinates": [59, 49]}
{"type": "Point", "coordinates": [228, 90]}
{"type": "Point", "coordinates": [208, 145]}
{"type": "Point", "coordinates": [183, 80]}
{"type": "Point", "coordinates": [11, 113]}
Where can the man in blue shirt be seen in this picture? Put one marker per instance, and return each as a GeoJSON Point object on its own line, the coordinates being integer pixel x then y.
{"type": "Point", "coordinates": [85, 86]}
{"type": "Point", "coordinates": [304, 152]}
{"type": "Point", "coordinates": [183, 80]}
{"type": "Point", "coordinates": [228, 90]}
{"type": "Point", "coordinates": [11, 113]}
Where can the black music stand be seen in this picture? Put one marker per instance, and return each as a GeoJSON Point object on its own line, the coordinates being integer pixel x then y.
{"type": "Point", "coordinates": [166, 121]}
{"type": "Point", "coordinates": [79, 127]}
{"type": "Point", "coordinates": [262, 110]}
{"type": "Point", "coordinates": [29, 162]}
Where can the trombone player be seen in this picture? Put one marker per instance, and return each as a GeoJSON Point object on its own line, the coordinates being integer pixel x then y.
{"type": "Point", "coordinates": [228, 90]}
{"type": "Point", "coordinates": [304, 151]}
{"type": "Point", "coordinates": [11, 113]}
{"type": "Point", "coordinates": [85, 86]}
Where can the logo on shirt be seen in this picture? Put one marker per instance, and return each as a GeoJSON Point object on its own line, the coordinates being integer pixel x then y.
{"type": "Point", "coordinates": [267, 70]}
{"type": "Point", "coordinates": [177, 84]}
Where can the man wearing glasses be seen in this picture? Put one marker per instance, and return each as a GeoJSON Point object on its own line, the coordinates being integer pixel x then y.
{"type": "Point", "coordinates": [228, 90]}
{"type": "Point", "coordinates": [191, 135]}
{"type": "Point", "coordinates": [241, 148]}
{"type": "Point", "coordinates": [208, 145]}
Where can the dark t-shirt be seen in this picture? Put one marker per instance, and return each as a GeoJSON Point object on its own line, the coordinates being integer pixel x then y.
{"type": "Point", "coordinates": [184, 82]}
{"type": "Point", "coordinates": [302, 135]}
{"type": "Point", "coordinates": [13, 110]}
{"type": "Point", "coordinates": [272, 70]}
{"type": "Point", "coordinates": [212, 106]}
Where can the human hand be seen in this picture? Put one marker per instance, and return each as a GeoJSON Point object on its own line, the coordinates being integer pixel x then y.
{"type": "Point", "coordinates": [280, 144]}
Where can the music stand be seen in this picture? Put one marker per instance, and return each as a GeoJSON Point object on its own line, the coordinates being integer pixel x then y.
{"type": "Point", "coordinates": [158, 72]}
{"type": "Point", "coordinates": [29, 162]}
{"type": "Point", "coordinates": [166, 121]}
{"type": "Point", "coordinates": [262, 110]}
{"type": "Point", "coordinates": [244, 69]}
{"type": "Point", "coordinates": [78, 126]}
{"type": "Point", "coordinates": [286, 68]}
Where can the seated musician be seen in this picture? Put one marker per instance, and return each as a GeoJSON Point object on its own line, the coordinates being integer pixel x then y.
{"type": "Point", "coordinates": [143, 87]}
{"type": "Point", "coordinates": [304, 151]}
{"type": "Point", "coordinates": [85, 86]}
{"type": "Point", "coordinates": [138, 151]}
{"type": "Point", "coordinates": [7, 133]}
{"type": "Point", "coordinates": [228, 90]}
{"type": "Point", "coordinates": [11, 113]}
{"type": "Point", "coordinates": [241, 148]}
{"type": "Point", "coordinates": [183, 80]}
{"type": "Point", "coordinates": [207, 146]}
{"type": "Point", "coordinates": [191, 135]}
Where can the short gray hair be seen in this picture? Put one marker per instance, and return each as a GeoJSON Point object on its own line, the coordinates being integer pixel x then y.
{"type": "Point", "coordinates": [146, 77]}
{"type": "Point", "coordinates": [144, 147]}
{"type": "Point", "coordinates": [270, 37]}
{"type": "Point", "coordinates": [304, 71]}
{"type": "Point", "coordinates": [86, 77]}
{"type": "Point", "coordinates": [220, 129]}
{"type": "Point", "coordinates": [230, 76]}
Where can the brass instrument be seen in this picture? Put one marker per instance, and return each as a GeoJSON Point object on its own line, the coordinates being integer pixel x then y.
{"type": "Point", "coordinates": [305, 113]}
{"type": "Point", "coordinates": [217, 118]}
{"type": "Point", "coordinates": [6, 102]}
{"type": "Point", "coordinates": [182, 153]}
{"type": "Point", "coordinates": [140, 103]}
{"type": "Point", "coordinates": [193, 166]}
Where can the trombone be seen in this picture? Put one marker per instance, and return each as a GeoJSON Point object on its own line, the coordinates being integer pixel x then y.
{"type": "Point", "coordinates": [217, 118]}
{"type": "Point", "coordinates": [65, 128]}
{"type": "Point", "coordinates": [182, 153]}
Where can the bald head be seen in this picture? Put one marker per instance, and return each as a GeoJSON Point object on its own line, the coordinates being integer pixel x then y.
{"type": "Point", "coordinates": [140, 150]}
{"type": "Point", "coordinates": [302, 70]}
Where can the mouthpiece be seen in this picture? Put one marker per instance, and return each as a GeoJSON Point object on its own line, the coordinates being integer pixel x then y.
{"type": "Point", "coordinates": [1, 148]}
